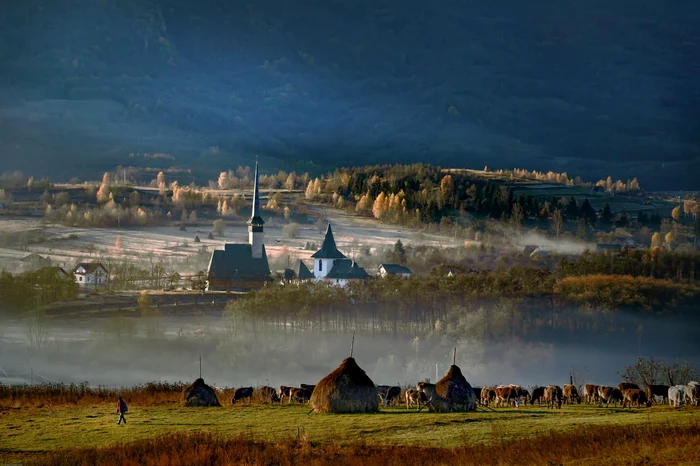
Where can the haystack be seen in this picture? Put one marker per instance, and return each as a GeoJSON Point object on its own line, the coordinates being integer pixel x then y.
{"type": "Point", "coordinates": [453, 393]}
{"type": "Point", "coordinates": [199, 394]}
{"type": "Point", "coordinates": [346, 390]}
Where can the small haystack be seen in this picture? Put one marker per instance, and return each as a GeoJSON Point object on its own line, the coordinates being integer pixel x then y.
{"type": "Point", "coordinates": [453, 393]}
{"type": "Point", "coordinates": [346, 390]}
{"type": "Point", "coordinates": [199, 394]}
{"type": "Point", "coordinates": [196, 239]}
{"type": "Point", "coordinates": [210, 235]}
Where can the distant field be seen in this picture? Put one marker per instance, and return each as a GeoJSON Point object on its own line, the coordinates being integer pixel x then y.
{"type": "Point", "coordinates": [48, 429]}
{"type": "Point", "coordinates": [68, 245]}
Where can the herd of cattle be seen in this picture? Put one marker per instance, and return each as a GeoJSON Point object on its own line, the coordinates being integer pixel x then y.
{"type": "Point", "coordinates": [553, 396]}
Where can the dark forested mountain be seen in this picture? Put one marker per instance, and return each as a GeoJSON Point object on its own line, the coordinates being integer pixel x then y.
{"type": "Point", "coordinates": [594, 88]}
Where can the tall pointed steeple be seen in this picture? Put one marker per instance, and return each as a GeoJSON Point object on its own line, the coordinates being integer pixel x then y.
{"type": "Point", "coordinates": [328, 249]}
{"type": "Point", "coordinates": [255, 224]}
{"type": "Point", "coordinates": [255, 218]}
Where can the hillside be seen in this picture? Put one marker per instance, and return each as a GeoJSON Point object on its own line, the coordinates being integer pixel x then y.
{"type": "Point", "coordinates": [589, 88]}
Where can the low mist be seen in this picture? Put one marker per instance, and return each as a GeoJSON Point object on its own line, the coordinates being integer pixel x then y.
{"type": "Point", "coordinates": [125, 351]}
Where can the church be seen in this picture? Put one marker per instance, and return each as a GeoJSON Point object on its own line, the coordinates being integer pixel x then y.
{"type": "Point", "coordinates": [332, 266]}
{"type": "Point", "coordinates": [242, 266]}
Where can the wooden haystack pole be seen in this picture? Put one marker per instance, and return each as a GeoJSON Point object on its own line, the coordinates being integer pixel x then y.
{"type": "Point", "coordinates": [199, 394]}
{"type": "Point", "coordinates": [453, 392]}
{"type": "Point", "coordinates": [348, 389]}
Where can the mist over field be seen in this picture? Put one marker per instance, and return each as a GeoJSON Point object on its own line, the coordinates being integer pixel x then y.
{"type": "Point", "coordinates": [125, 351]}
{"type": "Point", "coordinates": [591, 88]}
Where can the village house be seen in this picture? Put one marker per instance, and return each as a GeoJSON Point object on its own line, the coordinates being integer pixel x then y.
{"type": "Point", "coordinates": [242, 266]}
{"type": "Point", "coordinates": [396, 270]}
{"type": "Point", "coordinates": [90, 273]}
{"type": "Point", "coordinates": [332, 266]}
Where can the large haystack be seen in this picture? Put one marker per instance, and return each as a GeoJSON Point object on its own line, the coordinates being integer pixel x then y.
{"type": "Point", "coordinates": [453, 393]}
{"type": "Point", "coordinates": [346, 390]}
{"type": "Point", "coordinates": [199, 394]}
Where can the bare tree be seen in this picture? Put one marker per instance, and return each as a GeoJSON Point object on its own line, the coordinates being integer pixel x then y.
{"type": "Point", "coordinates": [557, 222]}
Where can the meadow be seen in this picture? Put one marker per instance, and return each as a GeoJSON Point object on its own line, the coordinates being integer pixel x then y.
{"type": "Point", "coordinates": [73, 429]}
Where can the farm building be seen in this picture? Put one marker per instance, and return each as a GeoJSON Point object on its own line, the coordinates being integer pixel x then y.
{"type": "Point", "coordinates": [332, 266]}
{"type": "Point", "coordinates": [90, 273]}
{"type": "Point", "coordinates": [33, 262]}
{"type": "Point", "coordinates": [242, 266]}
{"type": "Point", "coordinates": [396, 270]}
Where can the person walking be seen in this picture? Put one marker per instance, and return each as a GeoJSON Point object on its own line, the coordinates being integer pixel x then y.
{"type": "Point", "coordinates": [122, 408]}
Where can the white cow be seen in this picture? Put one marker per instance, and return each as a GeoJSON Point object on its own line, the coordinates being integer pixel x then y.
{"type": "Point", "coordinates": [675, 395]}
{"type": "Point", "coordinates": [693, 393]}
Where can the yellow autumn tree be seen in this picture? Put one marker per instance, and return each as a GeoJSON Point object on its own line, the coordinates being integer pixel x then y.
{"type": "Point", "coordinates": [103, 192]}
{"type": "Point", "coordinates": [656, 240]}
{"type": "Point", "coordinates": [160, 180]}
{"type": "Point", "coordinates": [364, 204]}
{"type": "Point", "coordinates": [379, 206]}
{"type": "Point", "coordinates": [447, 187]}
{"type": "Point", "coordinates": [676, 213]}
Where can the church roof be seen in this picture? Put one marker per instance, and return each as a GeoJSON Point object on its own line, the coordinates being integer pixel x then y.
{"type": "Point", "coordinates": [346, 269]}
{"type": "Point", "coordinates": [395, 269]}
{"type": "Point", "coordinates": [236, 262]}
{"type": "Point", "coordinates": [255, 218]}
{"type": "Point", "coordinates": [328, 249]}
{"type": "Point", "coordinates": [302, 271]}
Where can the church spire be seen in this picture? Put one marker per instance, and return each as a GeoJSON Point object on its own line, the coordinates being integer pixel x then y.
{"type": "Point", "coordinates": [255, 218]}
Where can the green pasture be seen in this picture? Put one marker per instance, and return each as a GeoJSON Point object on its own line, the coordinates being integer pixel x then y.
{"type": "Point", "coordinates": [40, 430]}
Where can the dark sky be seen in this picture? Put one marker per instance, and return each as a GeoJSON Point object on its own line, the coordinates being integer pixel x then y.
{"type": "Point", "coordinates": [584, 87]}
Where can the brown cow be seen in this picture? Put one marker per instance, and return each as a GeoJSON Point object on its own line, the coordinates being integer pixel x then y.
{"type": "Point", "coordinates": [657, 390]}
{"type": "Point", "coordinates": [627, 385]}
{"type": "Point", "coordinates": [414, 397]}
{"type": "Point", "coordinates": [636, 396]}
{"type": "Point", "coordinates": [300, 395]}
{"type": "Point", "coordinates": [507, 394]}
{"type": "Point", "coordinates": [269, 394]}
{"type": "Point", "coordinates": [488, 394]}
{"type": "Point", "coordinates": [285, 391]}
{"type": "Point", "coordinates": [570, 394]}
{"type": "Point", "coordinates": [590, 393]}
{"type": "Point", "coordinates": [608, 394]}
{"type": "Point", "coordinates": [243, 393]}
{"type": "Point", "coordinates": [553, 396]}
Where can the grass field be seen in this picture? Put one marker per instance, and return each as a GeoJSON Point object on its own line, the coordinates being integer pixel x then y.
{"type": "Point", "coordinates": [28, 432]}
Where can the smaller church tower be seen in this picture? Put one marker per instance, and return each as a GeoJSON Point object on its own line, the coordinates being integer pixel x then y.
{"type": "Point", "coordinates": [255, 224]}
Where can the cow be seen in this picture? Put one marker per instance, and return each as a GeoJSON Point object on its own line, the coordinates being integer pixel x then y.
{"type": "Point", "coordinates": [657, 390]}
{"type": "Point", "coordinates": [608, 394]}
{"type": "Point", "coordinates": [570, 394]}
{"type": "Point", "coordinates": [676, 395]}
{"type": "Point", "coordinates": [693, 393]}
{"type": "Point", "coordinates": [553, 396]}
{"type": "Point", "coordinates": [590, 393]}
{"type": "Point", "coordinates": [414, 397]}
{"type": "Point", "coordinates": [427, 388]}
{"type": "Point", "coordinates": [269, 394]}
{"type": "Point", "coordinates": [627, 385]}
{"type": "Point", "coordinates": [634, 396]}
{"type": "Point", "coordinates": [487, 395]}
{"type": "Point", "coordinates": [285, 391]}
{"type": "Point", "coordinates": [537, 395]}
{"type": "Point", "coordinates": [300, 395]}
{"type": "Point", "coordinates": [388, 393]}
{"type": "Point", "coordinates": [508, 394]}
{"type": "Point", "coordinates": [310, 388]}
{"type": "Point", "coordinates": [242, 393]}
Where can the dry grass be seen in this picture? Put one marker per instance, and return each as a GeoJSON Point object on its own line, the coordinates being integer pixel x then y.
{"type": "Point", "coordinates": [53, 395]}
{"type": "Point", "coordinates": [610, 445]}
{"type": "Point", "coordinates": [347, 389]}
